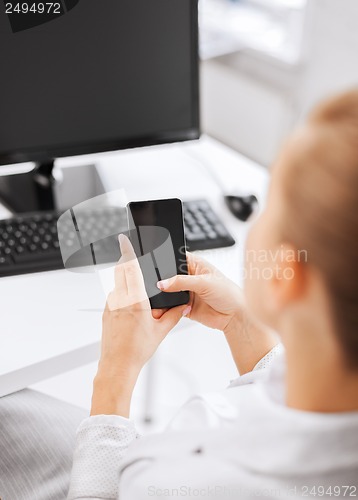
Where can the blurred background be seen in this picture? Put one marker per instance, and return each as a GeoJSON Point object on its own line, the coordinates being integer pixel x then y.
{"type": "Point", "coordinates": [265, 63]}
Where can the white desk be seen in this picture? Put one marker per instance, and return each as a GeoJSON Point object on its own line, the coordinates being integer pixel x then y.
{"type": "Point", "coordinates": [51, 322]}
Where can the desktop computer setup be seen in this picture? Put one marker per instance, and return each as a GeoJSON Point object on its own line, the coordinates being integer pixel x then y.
{"type": "Point", "coordinates": [102, 77]}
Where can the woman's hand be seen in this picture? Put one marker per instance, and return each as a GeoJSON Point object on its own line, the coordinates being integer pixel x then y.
{"type": "Point", "coordinates": [215, 300]}
{"type": "Point", "coordinates": [218, 303]}
{"type": "Point", "coordinates": [131, 335]}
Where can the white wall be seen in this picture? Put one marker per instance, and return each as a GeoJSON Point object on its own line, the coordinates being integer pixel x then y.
{"type": "Point", "coordinates": [251, 102]}
{"type": "Point", "coordinates": [332, 56]}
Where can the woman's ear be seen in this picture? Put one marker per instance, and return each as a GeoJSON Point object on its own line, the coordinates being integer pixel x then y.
{"type": "Point", "coordinates": [288, 277]}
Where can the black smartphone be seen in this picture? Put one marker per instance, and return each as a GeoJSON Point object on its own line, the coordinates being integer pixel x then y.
{"type": "Point", "coordinates": [156, 231]}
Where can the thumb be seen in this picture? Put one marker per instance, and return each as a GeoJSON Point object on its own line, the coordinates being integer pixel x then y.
{"type": "Point", "coordinates": [183, 282]}
{"type": "Point", "coordinates": [172, 317]}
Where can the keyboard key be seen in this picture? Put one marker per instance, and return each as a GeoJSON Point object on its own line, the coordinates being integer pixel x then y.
{"type": "Point", "coordinates": [4, 261]}
{"type": "Point", "coordinates": [211, 233]}
{"type": "Point", "coordinates": [196, 229]}
{"type": "Point", "coordinates": [195, 236]}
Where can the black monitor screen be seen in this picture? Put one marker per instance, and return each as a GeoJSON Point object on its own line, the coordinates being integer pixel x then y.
{"type": "Point", "coordinates": [94, 75]}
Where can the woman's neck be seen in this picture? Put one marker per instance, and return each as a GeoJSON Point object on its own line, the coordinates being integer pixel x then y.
{"type": "Point", "coordinates": [317, 378]}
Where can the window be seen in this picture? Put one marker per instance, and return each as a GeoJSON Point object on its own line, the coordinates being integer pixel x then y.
{"type": "Point", "coordinates": [272, 27]}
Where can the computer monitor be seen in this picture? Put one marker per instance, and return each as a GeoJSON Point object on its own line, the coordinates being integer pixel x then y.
{"type": "Point", "coordinates": [93, 76]}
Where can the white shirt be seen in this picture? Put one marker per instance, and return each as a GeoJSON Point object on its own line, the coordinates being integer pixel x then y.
{"type": "Point", "coordinates": [240, 443]}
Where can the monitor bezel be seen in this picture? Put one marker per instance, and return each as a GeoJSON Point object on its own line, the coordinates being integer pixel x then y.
{"type": "Point", "coordinates": [42, 154]}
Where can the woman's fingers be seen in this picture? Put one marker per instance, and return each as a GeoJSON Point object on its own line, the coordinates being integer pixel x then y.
{"type": "Point", "coordinates": [127, 249]}
{"type": "Point", "coordinates": [133, 273]}
{"type": "Point", "coordinates": [129, 282]}
{"type": "Point", "coordinates": [127, 254]}
{"type": "Point", "coordinates": [170, 318]}
{"type": "Point", "coordinates": [198, 265]}
{"type": "Point", "coordinates": [197, 284]}
{"type": "Point", "coordinates": [119, 277]}
{"type": "Point", "coordinates": [158, 313]}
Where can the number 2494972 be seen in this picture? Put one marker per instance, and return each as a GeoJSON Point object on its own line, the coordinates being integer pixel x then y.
{"type": "Point", "coordinates": [33, 8]}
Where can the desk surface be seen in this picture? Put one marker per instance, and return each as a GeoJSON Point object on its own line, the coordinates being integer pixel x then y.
{"type": "Point", "coordinates": [51, 322]}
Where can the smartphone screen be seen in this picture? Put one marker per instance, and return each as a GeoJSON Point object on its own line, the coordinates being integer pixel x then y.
{"type": "Point", "coordinates": [157, 234]}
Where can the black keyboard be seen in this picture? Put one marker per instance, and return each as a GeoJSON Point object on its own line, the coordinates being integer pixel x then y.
{"type": "Point", "coordinates": [30, 243]}
{"type": "Point", "coordinates": [203, 228]}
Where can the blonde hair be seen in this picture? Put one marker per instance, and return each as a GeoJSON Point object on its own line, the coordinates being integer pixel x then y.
{"type": "Point", "coordinates": [322, 201]}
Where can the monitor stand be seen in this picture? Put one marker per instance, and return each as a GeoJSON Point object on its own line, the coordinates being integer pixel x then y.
{"type": "Point", "coordinates": [47, 187]}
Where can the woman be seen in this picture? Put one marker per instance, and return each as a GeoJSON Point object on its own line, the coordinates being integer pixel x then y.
{"type": "Point", "coordinates": [292, 429]}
